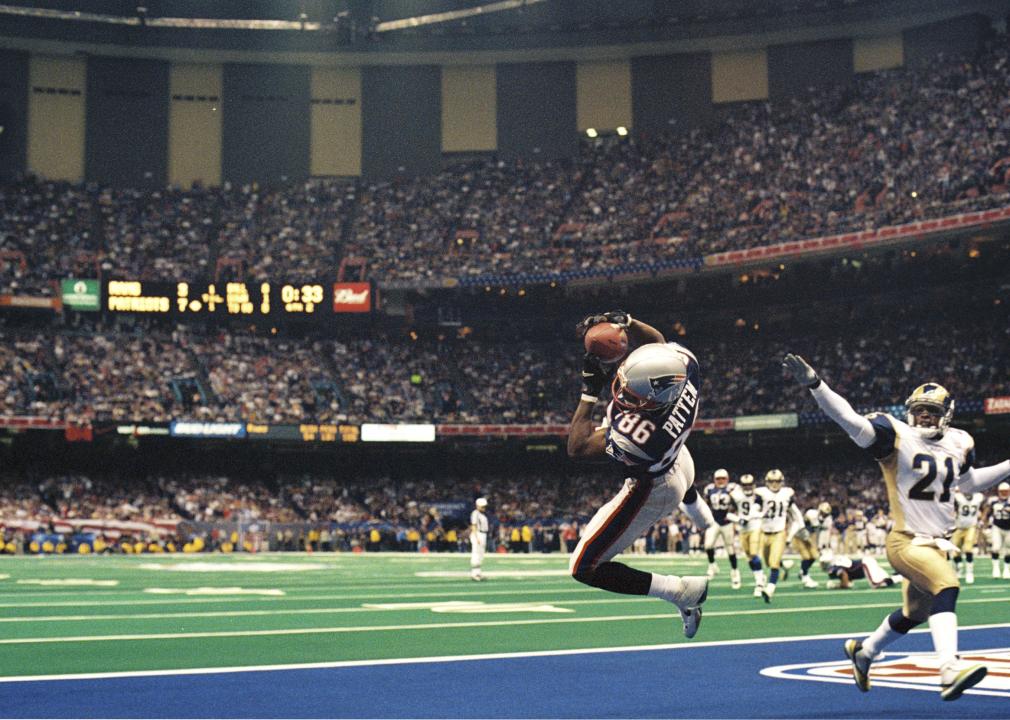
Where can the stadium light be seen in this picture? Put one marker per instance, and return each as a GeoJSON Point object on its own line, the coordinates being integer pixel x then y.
{"type": "Point", "coordinates": [621, 130]}
{"type": "Point", "coordinates": [591, 132]}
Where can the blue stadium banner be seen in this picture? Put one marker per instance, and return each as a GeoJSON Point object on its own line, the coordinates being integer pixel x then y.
{"type": "Point", "coordinates": [180, 428]}
{"type": "Point", "coordinates": [766, 422]}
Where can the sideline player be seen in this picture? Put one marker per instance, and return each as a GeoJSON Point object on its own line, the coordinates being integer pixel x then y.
{"type": "Point", "coordinates": [655, 395]}
{"type": "Point", "coordinates": [478, 538]}
{"type": "Point", "coordinates": [748, 515]}
{"type": "Point", "coordinates": [966, 509]}
{"type": "Point", "coordinates": [778, 506]}
{"type": "Point", "coordinates": [997, 510]}
{"type": "Point", "coordinates": [921, 459]}
{"type": "Point", "coordinates": [719, 496]}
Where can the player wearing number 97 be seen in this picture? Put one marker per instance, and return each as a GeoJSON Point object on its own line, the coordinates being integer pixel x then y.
{"type": "Point", "coordinates": [922, 459]}
{"type": "Point", "coordinates": [655, 403]}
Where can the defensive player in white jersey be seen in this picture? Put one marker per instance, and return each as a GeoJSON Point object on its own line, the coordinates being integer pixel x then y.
{"type": "Point", "coordinates": [748, 515]}
{"type": "Point", "coordinates": [478, 538]}
{"type": "Point", "coordinates": [778, 509]}
{"type": "Point", "coordinates": [719, 496]}
{"type": "Point", "coordinates": [921, 460]}
{"type": "Point", "coordinates": [655, 399]}
{"type": "Point", "coordinates": [966, 510]}
{"type": "Point", "coordinates": [805, 541]}
{"type": "Point", "coordinates": [997, 511]}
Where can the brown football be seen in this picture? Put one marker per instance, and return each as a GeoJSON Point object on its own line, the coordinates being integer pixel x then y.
{"type": "Point", "coordinates": [607, 341]}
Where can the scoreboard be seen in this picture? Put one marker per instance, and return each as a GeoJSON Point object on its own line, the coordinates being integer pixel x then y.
{"type": "Point", "coordinates": [235, 298]}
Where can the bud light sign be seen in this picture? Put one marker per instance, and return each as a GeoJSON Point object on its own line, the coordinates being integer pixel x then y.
{"type": "Point", "coordinates": [352, 297]}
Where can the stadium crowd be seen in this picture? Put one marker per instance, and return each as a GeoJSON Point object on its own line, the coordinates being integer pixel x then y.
{"type": "Point", "coordinates": [891, 147]}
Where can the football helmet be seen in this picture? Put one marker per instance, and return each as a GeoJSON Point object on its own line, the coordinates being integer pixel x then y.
{"type": "Point", "coordinates": [720, 478]}
{"type": "Point", "coordinates": [1003, 490]}
{"type": "Point", "coordinates": [481, 502]}
{"type": "Point", "coordinates": [651, 379]}
{"type": "Point", "coordinates": [937, 402]}
{"type": "Point", "coordinates": [774, 479]}
{"type": "Point", "coordinates": [824, 509]}
{"type": "Point", "coordinates": [747, 484]}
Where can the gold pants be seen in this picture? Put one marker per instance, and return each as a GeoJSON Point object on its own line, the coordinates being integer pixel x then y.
{"type": "Point", "coordinates": [750, 543]}
{"type": "Point", "coordinates": [772, 547]}
{"type": "Point", "coordinates": [806, 548]}
{"type": "Point", "coordinates": [926, 572]}
{"type": "Point", "coordinates": [964, 539]}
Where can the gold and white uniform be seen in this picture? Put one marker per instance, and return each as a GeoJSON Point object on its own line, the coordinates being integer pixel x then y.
{"type": "Point", "coordinates": [749, 514]}
{"type": "Point", "coordinates": [967, 508]}
{"type": "Point", "coordinates": [919, 473]}
{"type": "Point", "coordinates": [775, 516]}
{"type": "Point", "coordinates": [807, 548]}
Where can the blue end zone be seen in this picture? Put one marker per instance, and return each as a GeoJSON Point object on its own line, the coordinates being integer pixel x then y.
{"type": "Point", "coordinates": [699, 682]}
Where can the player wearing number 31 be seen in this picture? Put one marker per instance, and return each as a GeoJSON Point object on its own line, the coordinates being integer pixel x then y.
{"type": "Point", "coordinates": [922, 459]}
{"type": "Point", "coordinates": [654, 405]}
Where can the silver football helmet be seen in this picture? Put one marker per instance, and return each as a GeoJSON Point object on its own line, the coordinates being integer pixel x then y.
{"type": "Point", "coordinates": [651, 378]}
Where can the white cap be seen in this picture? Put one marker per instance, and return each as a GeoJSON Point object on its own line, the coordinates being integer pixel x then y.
{"type": "Point", "coordinates": [721, 472]}
{"type": "Point", "coordinates": [481, 502]}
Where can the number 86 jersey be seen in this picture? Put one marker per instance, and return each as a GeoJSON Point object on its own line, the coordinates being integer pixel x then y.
{"type": "Point", "coordinates": [920, 473]}
{"type": "Point", "coordinates": [647, 441]}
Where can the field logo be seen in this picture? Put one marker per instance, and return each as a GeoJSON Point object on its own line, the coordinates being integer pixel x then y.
{"type": "Point", "coordinates": [909, 671]}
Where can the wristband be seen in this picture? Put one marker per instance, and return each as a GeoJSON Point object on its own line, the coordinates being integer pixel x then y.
{"type": "Point", "coordinates": [816, 384]}
{"type": "Point", "coordinates": [589, 398]}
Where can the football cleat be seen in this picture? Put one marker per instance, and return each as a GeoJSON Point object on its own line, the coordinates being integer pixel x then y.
{"type": "Point", "coordinates": [995, 570]}
{"type": "Point", "coordinates": [969, 577]}
{"type": "Point", "coordinates": [860, 664]}
{"type": "Point", "coordinates": [689, 602]}
{"type": "Point", "coordinates": [809, 582]}
{"type": "Point", "coordinates": [734, 579]}
{"type": "Point", "coordinates": [954, 682]}
{"type": "Point", "coordinates": [767, 592]}
{"type": "Point", "coordinates": [757, 591]}
{"type": "Point", "coordinates": [713, 570]}
{"type": "Point", "coordinates": [1006, 571]}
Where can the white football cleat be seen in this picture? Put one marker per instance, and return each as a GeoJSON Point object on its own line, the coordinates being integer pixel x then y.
{"type": "Point", "coordinates": [954, 681]}
{"type": "Point", "coordinates": [995, 570]}
{"type": "Point", "coordinates": [713, 570]}
{"type": "Point", "coordinates": [809, 582]}
{"type": "Point", "coordinates": [689, 602]}
{"type": "Point", "coordinates": [1006, 572]}
{"type": "Point", "coordinates": [757, 591]}
{"type": "Point", "coordinates": [734, 579]}
{"type": "Point", "coordinates": [767, 592]}
{"type": "Point", "coordinates": [969, 577]}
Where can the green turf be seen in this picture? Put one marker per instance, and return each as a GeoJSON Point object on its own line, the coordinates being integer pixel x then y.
{"type": "Point", "coordinates": [322, 616]}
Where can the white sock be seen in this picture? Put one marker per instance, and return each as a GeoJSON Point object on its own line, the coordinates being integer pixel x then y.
{"type": "Point", "coordinates": [880, 639]}
{"type": "Point", "coordinates": [666, 587]}
{"type": "Point", "coordinates": [759, 577]}
{"type": "Point", "coordinates": [943, 628]}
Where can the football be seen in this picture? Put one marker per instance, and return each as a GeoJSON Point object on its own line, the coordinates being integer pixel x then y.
{"type": "Point", "coordinates": [607, 341]}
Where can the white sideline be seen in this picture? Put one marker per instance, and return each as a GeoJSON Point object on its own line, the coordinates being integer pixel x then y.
{"type": "Point", "coordinates": [444, 658]}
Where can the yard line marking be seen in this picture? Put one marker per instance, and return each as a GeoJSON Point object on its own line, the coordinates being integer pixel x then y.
{"type": "Point", "coordinates": [430, 626]}
{"type": "Point", "coordinates": [447, 658]}
{"type": "Point", "coordinates": [69, 582]}
{"type": "Point", "coordinates": [215, 591]}
{"type": "Point", "coordinates": [381, 607]}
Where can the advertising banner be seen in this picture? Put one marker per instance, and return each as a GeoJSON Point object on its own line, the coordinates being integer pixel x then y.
{"type": "Point", "coordinates": [81, 295]}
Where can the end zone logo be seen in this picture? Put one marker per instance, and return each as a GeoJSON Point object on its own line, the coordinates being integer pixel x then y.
{"type": "Point", "coordinates": [352, 297]}
{"type": "Point", "coordinates": [909, 671]}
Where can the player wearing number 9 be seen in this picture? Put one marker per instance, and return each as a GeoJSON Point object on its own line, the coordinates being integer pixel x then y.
{"type": "Point", "coordinates": [922, 459]}
{"type": "Point", "coordinates": [655, 403]}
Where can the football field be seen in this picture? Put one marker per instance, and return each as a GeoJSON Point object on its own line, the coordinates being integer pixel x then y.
{"type": "Point", "coordinates": [396, 635]}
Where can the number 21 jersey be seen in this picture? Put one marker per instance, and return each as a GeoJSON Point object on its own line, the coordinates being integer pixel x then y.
{"type": "Point", "coordinates": [920, 474]}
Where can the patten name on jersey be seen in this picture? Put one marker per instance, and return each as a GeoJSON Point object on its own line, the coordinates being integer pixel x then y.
{"type": "Point", "coordinates": [683, 412]}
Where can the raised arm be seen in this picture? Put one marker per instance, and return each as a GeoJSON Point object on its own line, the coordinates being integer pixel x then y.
{"type": "Point", "coordinates": [981, 479]}
{"type": "Point", "coordinates": [585, 441]}
{"type": "Point", "coordinates": [639, 333]}
{"type": "Point", "coordinates": [857, 427]}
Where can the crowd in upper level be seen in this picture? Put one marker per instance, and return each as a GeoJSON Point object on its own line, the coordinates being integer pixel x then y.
{"type": "Point", "coordinates": [891, 147]}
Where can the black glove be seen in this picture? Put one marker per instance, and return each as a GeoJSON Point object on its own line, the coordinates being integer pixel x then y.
{"type": "Point", "coordinates": [614, 316]}
{"type": "Point", "coordinates": [594, 377]}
